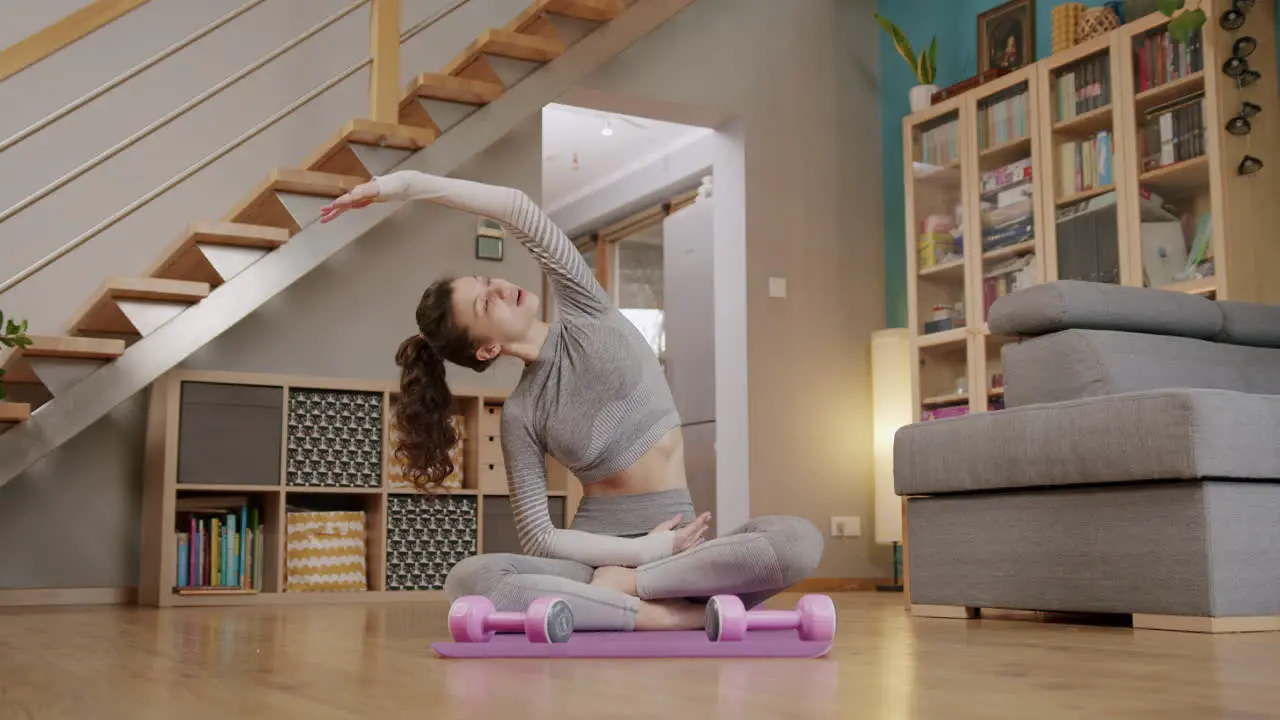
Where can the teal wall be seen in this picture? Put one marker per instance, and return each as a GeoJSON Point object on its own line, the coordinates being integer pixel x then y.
{"type": "Point", "coordinates": [954, 22]}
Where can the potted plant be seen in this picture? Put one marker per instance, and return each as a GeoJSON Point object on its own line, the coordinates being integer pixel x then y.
{"type": "Point", "coordinates": [12, 335]}
{"type": "Point", "coordinates": [1181, 27]}
{"type": "Point", "coordinates": [923, 67]}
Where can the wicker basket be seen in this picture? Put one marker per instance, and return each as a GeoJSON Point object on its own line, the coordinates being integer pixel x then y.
{"type": "Point", "coordinates": [1065, 19]}
{"type": "Point", "coordinates": [1096, 21]}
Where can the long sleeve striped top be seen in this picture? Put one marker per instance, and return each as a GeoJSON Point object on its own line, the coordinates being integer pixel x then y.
{"type": "Point", "coordinates": [595, 398]}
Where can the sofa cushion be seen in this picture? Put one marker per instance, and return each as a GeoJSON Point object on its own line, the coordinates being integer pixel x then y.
{"type": "Point", "coordinates": [1066, 304]}
{"type": "Point", "coordinates": [1132, 437]}
{"type": "Point", "coordinates": [1250, 324]}
{"type": "Point", "coordinates": [1075, 364]}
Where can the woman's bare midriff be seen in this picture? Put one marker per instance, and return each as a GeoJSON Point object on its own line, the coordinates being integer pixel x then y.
{"type": "Point", "coordinates": [660, 468]}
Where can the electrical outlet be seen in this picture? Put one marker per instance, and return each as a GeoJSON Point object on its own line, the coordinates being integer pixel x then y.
{"type": "Point", "coordinates": [846, 526]}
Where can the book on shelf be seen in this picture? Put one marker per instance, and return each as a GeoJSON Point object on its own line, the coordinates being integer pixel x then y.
{"type": "Point", "coordinates": [1085, 165]}
{"type": "Point", "coordinates": [1008, 214]}
{"type": "Point", "coordinates": [1007, 277]}
{"type": "Point", "coordinates": [1082, 88]}
{"type": "Point", "coordinates": [1004, 118]}
{"type": "Point", "coordinates": [220, 543]}
{"type": "Point", "coordinates": [1173, 132]}
{"type": "Point", "coordinates": [939, 145]}
{"type": "Point", "coordinates": [1158, 59]}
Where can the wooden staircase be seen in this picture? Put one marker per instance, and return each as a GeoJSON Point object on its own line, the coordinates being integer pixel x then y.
{"type": "Point", "coordinates": [211, 252]}
{"type": "Point", "coordinates": [218, 271]}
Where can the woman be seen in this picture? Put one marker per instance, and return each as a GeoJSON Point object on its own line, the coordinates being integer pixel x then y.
{"type": "Point", "coordinates": [593, 396]}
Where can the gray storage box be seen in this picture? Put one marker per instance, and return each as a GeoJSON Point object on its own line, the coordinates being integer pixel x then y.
{"type": "Point", "coordinates": [230, 434]}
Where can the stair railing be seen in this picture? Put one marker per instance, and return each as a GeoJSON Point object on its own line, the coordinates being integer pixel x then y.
{"type": "Point", "coordinates": [384, 56]}
{"type": "Point", "coordinates": [124, 77]}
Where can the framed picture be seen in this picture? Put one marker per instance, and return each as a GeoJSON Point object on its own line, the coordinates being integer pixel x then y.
{"type": "Point", "coordinates": [1007, 36]}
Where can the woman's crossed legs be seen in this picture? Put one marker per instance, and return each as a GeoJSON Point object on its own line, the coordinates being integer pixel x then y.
{"type": "Point", "coordinates": [755, 561]}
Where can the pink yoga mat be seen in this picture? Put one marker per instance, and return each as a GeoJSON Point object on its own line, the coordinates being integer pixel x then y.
{"type": "Point", "coordinates": [650, 644]}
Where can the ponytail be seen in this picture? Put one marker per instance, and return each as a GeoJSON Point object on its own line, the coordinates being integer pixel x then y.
{"type": "Point", "coordinates": [423, 415]}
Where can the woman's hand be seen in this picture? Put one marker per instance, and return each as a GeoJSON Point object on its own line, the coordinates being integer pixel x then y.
{"type": "Point", "coordinates": [687, 536]}
{"type": "Point", "coordinates": [360, 196]}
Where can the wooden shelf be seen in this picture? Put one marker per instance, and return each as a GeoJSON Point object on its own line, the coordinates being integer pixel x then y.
{"type": "Point", "coordinates": [1005, 153]}
{"type": "Point", "coordinates": [951, 399]}
{"type": "Point", "coordinates": [945, 176]}
{"type": "Point", "coordinates": [228, 489]}
{"type": "Point", "coordinates": [944, 338]}
{"type": "Point", "coordinates": [1168, 92]}
{"type": "Point", "coordinates": [951, 270]}
{"type": "Point", "coordinates": [1178, 178]}
{"type": "Point", "coordinates": [1086, 123]}
{"type": "Point", "coordinates": [1194, 286]}
{"type": "Point", "coordinates": [309, 598]}
{"type": "Point", "coordinates": [1085, 195]}
{"type": "Point", "coordinates": [267, 409]}
{"type": "Point", "coordinates": [1005, 253]}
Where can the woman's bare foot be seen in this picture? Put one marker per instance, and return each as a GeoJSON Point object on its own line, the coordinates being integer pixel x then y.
{"type": "Point", "coordinates": [671, 615]}
{"type": "Point", "coordinates": [622, 579]}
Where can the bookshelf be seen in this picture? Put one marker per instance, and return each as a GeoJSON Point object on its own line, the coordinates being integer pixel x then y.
{"type": "Point", "coordinates": [1111, 162]}
{"type": "Point", "coordinates": [275, 471]}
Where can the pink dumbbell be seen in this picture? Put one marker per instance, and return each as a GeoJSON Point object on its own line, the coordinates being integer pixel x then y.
{"type": "Point", "coordinates": [473, 619]}
{"type": "Point", "coordinates": [728, 620]}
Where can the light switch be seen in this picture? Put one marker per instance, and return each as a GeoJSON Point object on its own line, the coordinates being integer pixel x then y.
{"type": "Point", "coordinates": [777, 287]}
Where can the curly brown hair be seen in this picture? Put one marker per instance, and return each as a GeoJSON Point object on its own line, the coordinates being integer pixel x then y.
{"type": "Point", "coordinates": [423, 410]}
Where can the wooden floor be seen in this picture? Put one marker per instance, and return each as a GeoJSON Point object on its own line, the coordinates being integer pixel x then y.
{"type": "Point", "coordinates": [356, 661]}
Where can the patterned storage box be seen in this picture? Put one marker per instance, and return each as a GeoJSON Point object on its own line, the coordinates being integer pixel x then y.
{"type": "Point", "coordinates": [335, 438]}
{"type": "Point", "coordinates": [396, 476]}
{"type": "Point", "coordinates": [426, 536]}
{"type": "Point", "coordinates": [326, 551]}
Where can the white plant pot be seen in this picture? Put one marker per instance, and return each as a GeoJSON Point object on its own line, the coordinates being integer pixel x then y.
{"type": "Point", "coordinates": [921, 97]}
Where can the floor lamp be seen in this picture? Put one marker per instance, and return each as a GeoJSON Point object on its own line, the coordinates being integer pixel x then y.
{"type": "Point", "coordinates": [891, 403]}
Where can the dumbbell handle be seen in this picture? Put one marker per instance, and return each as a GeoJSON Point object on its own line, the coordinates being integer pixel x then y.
{"type": "Point", "coordinates": [773, 619]}
{"type": "Point", "coordinates": [505, 622]}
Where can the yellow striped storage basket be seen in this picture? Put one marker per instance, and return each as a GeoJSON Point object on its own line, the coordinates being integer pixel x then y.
{"type": "Point", "coordinates": [326, 552]}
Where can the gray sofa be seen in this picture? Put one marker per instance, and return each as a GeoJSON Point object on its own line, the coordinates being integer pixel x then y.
{"type": "Point", "coordinates": [1135, 468]}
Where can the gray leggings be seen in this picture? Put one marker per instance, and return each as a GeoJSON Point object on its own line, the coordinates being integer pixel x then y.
{"type": "Point", "coordinates": [755, 561]}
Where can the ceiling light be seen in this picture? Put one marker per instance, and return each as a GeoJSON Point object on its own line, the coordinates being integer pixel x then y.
{"type": "Point", "coordinates": [607, 130]}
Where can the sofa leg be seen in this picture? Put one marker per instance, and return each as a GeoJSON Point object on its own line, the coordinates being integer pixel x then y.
{"type": "Point", "coordinates": [1186, 623]}
{"type": "Point", "coordinates": [955, 612]}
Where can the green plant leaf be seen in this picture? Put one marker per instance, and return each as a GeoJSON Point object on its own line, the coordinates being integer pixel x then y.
{"type": "Point", "coordinates": [933, 60]}
{"type": "Point", "coordinates": [1169, 7]}
{"type": "Point", "coordinates": [1181, 27]}
{"type": "Point", "coordinates": [900, 42]}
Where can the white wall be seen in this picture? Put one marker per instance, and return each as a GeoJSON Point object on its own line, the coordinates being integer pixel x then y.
{"type": "Point", "coordinates": [650, 182]}
{"type": "Point", "coordinates": [798, 80]}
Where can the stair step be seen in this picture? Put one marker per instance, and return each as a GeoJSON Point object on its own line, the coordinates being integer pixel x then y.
{"type": "Point", "coordinates": [132, 307]}
{"type": "Point", "coordinates": [435, 86]}
{"type": "Point", "coordinates": [76, 348]}
{"type": "Point", "coordinates": [354, 150]}
{"type": "Point", "coordinates": [58, 362]}
{"type": "Point", "coordinates": [12, 413]}
{"type": "Point", "coordinates": [593, 10]}
{"type": "Point", "coordinates": [507, 44]}
{"type": "Point", "coordinates": [197, 253]}
{"type": "Point", "coordinates": [262, 206]}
